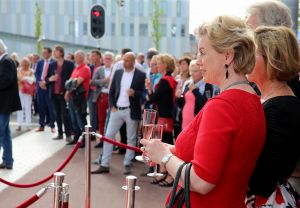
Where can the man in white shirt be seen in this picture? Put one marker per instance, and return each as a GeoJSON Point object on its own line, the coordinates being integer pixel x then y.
{"type": "Point", "coordinates": [125, 96]}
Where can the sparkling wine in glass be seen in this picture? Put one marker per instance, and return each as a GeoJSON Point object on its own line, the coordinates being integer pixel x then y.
{"type": "Point", "coordinates": [147, 131]}
{"type": "Point", "coordinates": [156, 134]}
{"type": "Point", "coordinates": [149, 117]}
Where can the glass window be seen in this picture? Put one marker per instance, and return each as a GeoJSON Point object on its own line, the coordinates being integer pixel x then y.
{"type": "Point", "coordinates": [71, 27]}
{"type": "Point", "coordinates": [113, 8]}
{"type": "Point", "coordinates": [173, 30]}
{"type": "Point", "coordinates": [104, 3]}
{"type": "Point", "coordinates": [113, 29]}
{"type": "Point", "coordinates": [163, 6]}
{"type": "Point", "coordinates": [141, 8]}
{"type": "Point", "coordinates": [131, 29]}
{"type": "Point", "coordinates": [132, 8]}
{"type": "Point", "coordinates": [85, 28]}
{"type": "Point", "coordinates": [163, 29]}
{"type": "Point", "coordinates": [143, 30]}
{"type": "Point", "coordinates": [178, 8]}
{"type": "Point", "coordinates": [150, 7]}
{"type": "Point", "coordinates": [123, 29]}
{"type": "Point", "coordinates": [182, 30]}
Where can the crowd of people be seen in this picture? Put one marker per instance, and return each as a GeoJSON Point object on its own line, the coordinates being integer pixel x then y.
{"type": "Point", "coordinates": [231, 111]}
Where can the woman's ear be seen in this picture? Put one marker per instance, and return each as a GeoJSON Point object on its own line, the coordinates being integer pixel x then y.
{"type": "Point", "coordinates": [229, 56]}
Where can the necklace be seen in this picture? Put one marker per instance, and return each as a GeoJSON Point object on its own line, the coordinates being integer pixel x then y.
{"type": "Point", "coordinates": [235, 83]}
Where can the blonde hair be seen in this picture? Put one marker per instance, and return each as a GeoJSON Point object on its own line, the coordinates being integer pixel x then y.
{"type": "Point", "coordinates": [270, 13]}
{"type": "Point", "coordinates": [227, 33]}
{"type": "Point", "coordinates": [167, 60]}
{"type": "Point", "coordinates": [279, 48]}
{"type": "Point", "coordinates": [26, 59]}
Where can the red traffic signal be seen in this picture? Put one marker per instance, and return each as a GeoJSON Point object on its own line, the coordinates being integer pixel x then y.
{"type": "Point", "coordinates": [97, 17]}
{"type": "Point", "coordinates": [96, 13]}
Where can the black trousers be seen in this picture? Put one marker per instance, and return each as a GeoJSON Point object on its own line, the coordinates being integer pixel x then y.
{"type": "Point", "coordinates": [62, 114]}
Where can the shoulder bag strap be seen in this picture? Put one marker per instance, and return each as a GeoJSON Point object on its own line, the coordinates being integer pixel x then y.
{"type": "Point", "coordinates": [174, 196]}
{"type": "Point", "coordinates": [187, 185]}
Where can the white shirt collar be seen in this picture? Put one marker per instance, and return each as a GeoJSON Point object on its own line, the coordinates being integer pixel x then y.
{"type": "Point", "coordinates": [131, 72]}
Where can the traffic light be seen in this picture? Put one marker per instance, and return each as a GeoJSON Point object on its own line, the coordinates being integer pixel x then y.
{"type": "Point", "coordinates": [97, 21]}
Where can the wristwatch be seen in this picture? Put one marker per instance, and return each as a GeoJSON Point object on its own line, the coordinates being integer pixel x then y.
{"type": "Point", "coordinates": [166, 159]}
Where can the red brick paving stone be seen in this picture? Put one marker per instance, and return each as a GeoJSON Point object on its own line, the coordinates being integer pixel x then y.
{"type": "Point", "coordinates": [106, 189]}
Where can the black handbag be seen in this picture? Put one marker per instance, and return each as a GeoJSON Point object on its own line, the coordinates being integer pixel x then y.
{"type": "Point", "coordinates": [183, 194]}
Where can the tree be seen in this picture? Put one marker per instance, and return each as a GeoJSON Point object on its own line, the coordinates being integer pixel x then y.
{"type": "Point", "coordinates": [38, 28]}
{"type": "Point", "coordinates": [156, 33]}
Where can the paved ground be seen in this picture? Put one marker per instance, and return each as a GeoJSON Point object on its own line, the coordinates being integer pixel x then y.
{"type": "Point", "coordinates": [37, 155]}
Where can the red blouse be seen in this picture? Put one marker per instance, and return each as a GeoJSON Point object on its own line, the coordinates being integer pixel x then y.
{"type": "Point", "coordinates": [223, 143]}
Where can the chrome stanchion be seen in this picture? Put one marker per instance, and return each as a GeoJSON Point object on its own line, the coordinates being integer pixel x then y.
{"type": "Point", "coordinates": [58, 187]}
{"type": "Point", "coordinates": [130, 191]}
{"type": "Point", "coordinates": [87, 166]}
{"type": "Point", "coordinates": [65, 196]}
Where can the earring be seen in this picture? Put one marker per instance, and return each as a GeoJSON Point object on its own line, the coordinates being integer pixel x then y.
{"type": "Point", "coordinates": [226, 73]}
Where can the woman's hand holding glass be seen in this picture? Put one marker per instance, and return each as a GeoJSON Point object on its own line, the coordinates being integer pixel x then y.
{"type": "Point", "coordinates": [155, 149]}
{"type": "Point", "coordinates": [149, 117]}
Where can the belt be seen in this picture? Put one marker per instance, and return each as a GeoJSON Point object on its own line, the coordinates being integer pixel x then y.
{"type": "Point", "coordinates": [122, 108]}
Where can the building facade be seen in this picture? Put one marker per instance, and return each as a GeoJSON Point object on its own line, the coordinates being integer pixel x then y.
{"type": "Point", "coordinates": [67, 22]}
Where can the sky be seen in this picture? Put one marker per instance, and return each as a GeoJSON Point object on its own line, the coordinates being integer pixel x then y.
{"type": "Point", "coordinates": [204, 10]}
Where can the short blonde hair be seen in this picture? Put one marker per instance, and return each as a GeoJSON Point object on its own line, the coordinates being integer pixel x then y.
{"type": "Point", "coordinates": [227, 33]}
{"type": "Point", "coordinates": [279, 48]}
{"type": "Point", "coordinates": [168, 60]}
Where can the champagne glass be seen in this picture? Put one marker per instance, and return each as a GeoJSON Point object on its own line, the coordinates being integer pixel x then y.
{"type": "Point", "coordinates": [149, 117]}
{"type": "Point", "coordinates": [156, 134]}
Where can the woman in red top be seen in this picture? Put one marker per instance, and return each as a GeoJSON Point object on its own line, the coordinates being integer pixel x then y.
{"type": "Point", "coordinates": [224, 140]}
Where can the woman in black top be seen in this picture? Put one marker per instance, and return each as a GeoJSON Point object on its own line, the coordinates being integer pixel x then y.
{"type": "Point", "coordinates": [164, 96]}
{"type": "Point", "coordinates": [164, 99]}
{"type": "Point", "coordinates": [277, 60]}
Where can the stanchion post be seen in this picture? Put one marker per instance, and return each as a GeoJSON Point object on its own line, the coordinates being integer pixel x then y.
{"type": "Point", "coordinates": [65, 196]}
{"type": "Point", "coordinates": [58, 187]}
{"type": "Point", "coordinates": [87, 166]}
{"type": "Point", "coordinates": [130, 191]}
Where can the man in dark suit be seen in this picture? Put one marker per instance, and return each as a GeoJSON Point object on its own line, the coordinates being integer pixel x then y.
{"type": "Point", "coordinates": [58, 73]}
{"type": "Point", "coordinates": [42, 92]}
{"type": "Point", "coordinates": [10, 102]}
{"type": "Point", "coordinates": [125, 102]}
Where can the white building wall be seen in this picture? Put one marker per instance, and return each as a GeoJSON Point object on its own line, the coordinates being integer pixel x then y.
{"type": "Point", "coordinates": [21, 21]}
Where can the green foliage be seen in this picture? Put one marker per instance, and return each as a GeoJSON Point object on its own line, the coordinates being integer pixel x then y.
{"type": "Point", "coordinates": [38, 28]}
{"type": "Point", "coordinates": [156, 33]}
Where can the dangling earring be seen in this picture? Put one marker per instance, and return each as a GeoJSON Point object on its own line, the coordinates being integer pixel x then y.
{"type": "Point", "coordinates": [226, 74]}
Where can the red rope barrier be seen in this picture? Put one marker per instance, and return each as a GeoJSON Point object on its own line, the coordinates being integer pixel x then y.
{"type": "Point", "coordinates": [136, 149]}
{"type": "Point", "coordinates": [33, 199]}
{"type": "Point", "coordinates": [29, 202]}
{"type": "Point", "coordinates": [67, 160]}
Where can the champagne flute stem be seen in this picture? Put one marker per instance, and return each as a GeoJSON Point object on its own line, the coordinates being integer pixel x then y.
{"type": "Point", "coordinates": [155, 169]}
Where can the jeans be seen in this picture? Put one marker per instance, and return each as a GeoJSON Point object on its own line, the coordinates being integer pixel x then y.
{"type": "Point", "coordinates": [115, 122]}
{"type": "Point", "coordinates": [5, 139]}
{"type": "Point", "coordinates": [78, 120]}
